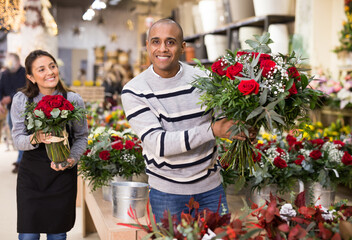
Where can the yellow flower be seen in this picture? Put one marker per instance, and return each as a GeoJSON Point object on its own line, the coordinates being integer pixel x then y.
{"type": "Point", "coordinates": [90, 142]}
{"type": "Point", "coordinates": [335, 133]}
{"type": "Point", "coordinates": [318, 124]}
{"type": "Point", "coordinates": [260, 142]}
{"type": "Point", "coordinates": [306, 135]}
{"type": "Point", "coordinates": [76, 83]}
{"type": "Point", "coordinates": [88, 83]}
{"type": "Point", "coordinates": [311, 127]}
{"type": "Point", "coordinates": [96, 136]}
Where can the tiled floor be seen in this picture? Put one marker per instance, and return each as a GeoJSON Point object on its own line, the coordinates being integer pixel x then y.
{"type": "Point", "coordinates": [8, 201]}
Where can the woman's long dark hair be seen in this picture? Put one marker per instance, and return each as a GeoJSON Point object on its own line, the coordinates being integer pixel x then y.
{"type": "Point", "coordinates": [31, 90]}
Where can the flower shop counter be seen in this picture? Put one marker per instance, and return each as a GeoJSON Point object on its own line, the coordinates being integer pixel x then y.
{"type": "Point", "coordinates": [97, 216]}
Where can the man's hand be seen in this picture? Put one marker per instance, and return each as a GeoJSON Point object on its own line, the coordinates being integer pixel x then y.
{"type": "Point", "coordinates": [69, 164]}
{"type": "Point", "coordinates": [222, 127]}
{"type": "Point", "coordinates": [40, 137]}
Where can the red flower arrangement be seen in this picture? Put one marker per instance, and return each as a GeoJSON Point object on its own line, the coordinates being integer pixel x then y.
{"type": "Point", "coordinates": [256, 89]}
{"type": "Point", "coordinates": [109, 154]}
{"type": "Point", "coordinates": [50, 115]}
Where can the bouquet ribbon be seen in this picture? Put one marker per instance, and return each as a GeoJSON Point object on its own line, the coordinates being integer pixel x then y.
{"type": "Point", "coordinates": [64, 138]}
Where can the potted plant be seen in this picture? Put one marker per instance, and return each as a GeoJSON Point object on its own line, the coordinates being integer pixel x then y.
{"type": "Point", "coordinates": [109, 154]}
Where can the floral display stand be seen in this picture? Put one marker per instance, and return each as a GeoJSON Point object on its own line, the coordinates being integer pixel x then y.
{"type": "Point", "coordinates": [97, 217]}
{"type": "Point", "coordinates": [327, 115]}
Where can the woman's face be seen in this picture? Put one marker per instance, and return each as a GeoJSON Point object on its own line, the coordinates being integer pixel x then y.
{"type": "Point", "coordinates": [45, 74]}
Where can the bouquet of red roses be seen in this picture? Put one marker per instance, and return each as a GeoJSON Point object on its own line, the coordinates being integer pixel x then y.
{"type": "Point", "coordinates": [256, 89]}
{"type": "Point", "coordinates": [50, 115]}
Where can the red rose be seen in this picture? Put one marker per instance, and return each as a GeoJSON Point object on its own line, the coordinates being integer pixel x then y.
{"type": "Point", "coordinates": [291, 139]}
{"type": "Point", "coordinates": [218, 67]}
{"type": "Point", "coordinates": [280, 163]}
{"type": "Point", "coordinates": [315, 154]}
{"type": "Point", "coordinates": [104, 155]}
{"type": "Point", "coordinates": [346, 159]}
{"type": "Point", "coordinates": [262, 57]}
{"type": "Point", "coordinates": [129, 144]}
{"type": "Point", "coordinates": [338, 142]}
{"type": "Point", "coordinates": [234, 70]}
{"type": "Point", "coordinates": [67, 105]}
{"type": "Point", "coordinates": [267, 66]}
{"type": "Point", "coordinates": [259, 146]}
{"type": "Point", "coordinates": [117, 145]}
{"type": "Point", "coordinates": [293, 90]}
{"type": "Point", "coordinates": [280, 151]}
{"type": "Point", "coordinates": [299, 160]}
{"type": "Point", "coordinates": [55, 103]}
{"type": "Point", "coordinates": [240, 53]}
{"type": "Point", "coordinates": [47, 111]}
{"type": "Point", "coordinates": [292, 72]}
{"type": "Point", "coordinates": [86, 152]}
{"type": "Point", "coordinates": [317, 142]}
{"type": "Point", "coordinates": [257, 157]}
{"type": "Point", "coordinates": [248, 86]}
{"type": "Point", "coordinates": [116, 138]}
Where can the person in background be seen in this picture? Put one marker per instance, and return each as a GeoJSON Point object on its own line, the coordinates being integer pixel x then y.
{"type": "Point", "coordinates": [13, 78]}
{"type": "Point", "coordinates": [46, 194]}
{"type": "Point", "coordinates": [177, 135]}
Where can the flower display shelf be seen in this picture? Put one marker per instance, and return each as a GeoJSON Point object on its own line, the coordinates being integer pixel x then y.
{"type": "Point", "coordinates": [97, 216]}
{"type": "Point", "coordinates": [90, 93]}
{"type": "Point", "coordinates": [327, 115]}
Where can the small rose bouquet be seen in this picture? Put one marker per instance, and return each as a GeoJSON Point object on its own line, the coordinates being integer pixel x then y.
{"type": "Point", "coordinates": [256, 89]}
{"type": "Point", "coordinates": [51, 115]}
{"type": "Point", "coordinates": [109, 154]}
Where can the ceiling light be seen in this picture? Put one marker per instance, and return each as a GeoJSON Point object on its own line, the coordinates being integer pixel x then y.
{"type": "Point", "coordinates": [88, 15]}
{"type": "Point", "coordinates": [98, 5]}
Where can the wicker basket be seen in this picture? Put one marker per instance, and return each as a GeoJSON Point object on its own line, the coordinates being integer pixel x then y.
{"type": "Point", "coordinates": [90, 94]}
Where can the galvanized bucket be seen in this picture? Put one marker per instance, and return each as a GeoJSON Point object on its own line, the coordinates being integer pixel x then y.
{"type": "Point", "coordinates": [126, 195]}
{"type": "Point", "coordinates": [316, 194]}
{"type": "Point", "coordinates": [107, 190]}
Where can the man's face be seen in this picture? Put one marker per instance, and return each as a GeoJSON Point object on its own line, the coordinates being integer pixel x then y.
{"type": "Point", "coordinates": [12, 64]}
{"type": "Point", "coordinates": [165, 46]}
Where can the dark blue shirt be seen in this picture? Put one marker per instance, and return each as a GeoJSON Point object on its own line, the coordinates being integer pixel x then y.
{"type": "Point", "coordinates": [11, 82]}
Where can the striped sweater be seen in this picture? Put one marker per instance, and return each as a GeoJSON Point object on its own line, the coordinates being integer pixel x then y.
{"type": "Point", "coordinates": [178, 143]}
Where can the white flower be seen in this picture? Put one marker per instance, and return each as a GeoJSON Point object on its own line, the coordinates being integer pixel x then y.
{"type": "Point", "coordinates": [287, 212]}
{"type": "Point", "coordinates": [209, 235]}
{"type": "Point", "coordinates": [326, 214]}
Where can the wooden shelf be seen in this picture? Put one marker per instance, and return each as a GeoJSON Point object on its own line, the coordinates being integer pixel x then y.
{"type": "Point", "coordinates": [263, 21]}
{"type": "Point", "coordinates": [97, 216]}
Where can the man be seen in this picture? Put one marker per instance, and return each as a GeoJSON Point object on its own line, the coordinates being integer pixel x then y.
{"type": "Point", "coordinates": [13, 78]}
{"type": "Point", "coordinates": [177, 135]}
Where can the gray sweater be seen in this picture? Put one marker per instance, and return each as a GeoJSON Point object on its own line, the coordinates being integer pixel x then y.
{"type": "Point", "coordinates": [178, 143]}
{"type": "Point", "coordinates": [21, 137]}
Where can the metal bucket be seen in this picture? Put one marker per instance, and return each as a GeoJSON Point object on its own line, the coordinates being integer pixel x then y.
{"type": "Point", "coordinates": [316, 194]}
{"type": "Point", "coordinates": [126, 195]}
{"type": "Point", "coordinates": [107, 190]}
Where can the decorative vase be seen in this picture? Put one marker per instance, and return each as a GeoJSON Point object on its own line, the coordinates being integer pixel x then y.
{"type": "Point", "coordinates": [245, 33]}
{"type": "Point", "coordinates": [316, 194]}
{"type": "Point", "coordinates": [273, 7]}
{"type": "Point", "coordinates": [59, 149]}
{"type": "Point", "coordinates": [259, 196]}
{"type": "Point", "coordinates": [279, 34]}
{"type": "Point", "coordinates": [107, 190]}
{"type": "Point", "coordinates": [216, 46]}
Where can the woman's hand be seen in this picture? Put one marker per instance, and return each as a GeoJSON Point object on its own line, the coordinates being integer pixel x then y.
{"type": "Point", "coordinates": [59, 167]}
{"type": "Point", "coordinates": [40, 137]}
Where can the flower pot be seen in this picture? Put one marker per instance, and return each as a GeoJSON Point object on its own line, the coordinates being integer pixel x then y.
{"type": "Point", "coordinates": [245, 33]}
{"type": "Point", "coordinates": [241, 9]}
{"type": "Point", "coordinates": [211, 12]}
{"type": "Point", "coordinates": [316, 194]}
{"type": "Point", "coordinates": [273, 7]}
{"type": "Point", "coordinates": [258, 196]}
{"type": "Point", "coordinates": [59, 149]}
{"type": "Point", "coordinates": [216, 46]}
{"type": "Point", "coordinates": [107, 190]}
{"type": "Point", "coordinates": [279, 34]}
{"type": "Point", "coordinates": [126, 195]}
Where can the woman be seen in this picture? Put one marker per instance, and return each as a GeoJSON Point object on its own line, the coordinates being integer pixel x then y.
{"type": "Point", "coordinates": [46, 194]}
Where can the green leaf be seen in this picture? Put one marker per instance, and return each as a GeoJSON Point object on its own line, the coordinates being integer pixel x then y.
{"type": "Point", "coordinates": [263, 97]}
{"type": "Point", "coordinates": [276, 117]}
{"type": "Point", "coordinates": [39, 113]}
{"type": "Point", "coordinates": [38, 123]}
{"type": "Point", "coordinates": [255, 113]}
{"type": "Point", "coordinates": [304, 81]}
{"type": "Point", "coordinates": [253, 44]}
{"type": "Point", "coordinates": [289, 84]}
{"type": "Point", "coordinates": [197, 61]}
{"type": "Point", "coordinates": [64, 113]}
{"type": "Point", "coordinates": [55, 112]}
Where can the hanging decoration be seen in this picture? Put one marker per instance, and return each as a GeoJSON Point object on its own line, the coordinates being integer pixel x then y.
{"type": "Point", "coordinates": [11, 15]}
{"type": "Point", "coordinates": [49, 21]}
